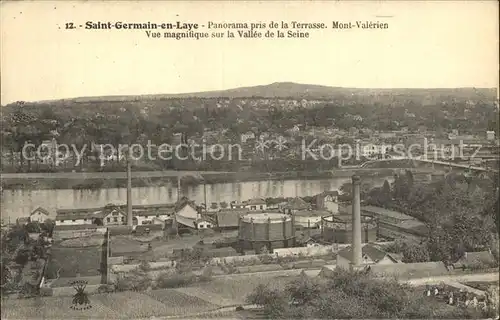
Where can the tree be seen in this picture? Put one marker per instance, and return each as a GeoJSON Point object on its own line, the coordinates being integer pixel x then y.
{"type": "Point", "coordinates": [6, 273]}
{"type": "Point", "coordinates": [48, 226]}
{"type": "Point", "coordinates": [415, 253]}
{"type": "Point", "coordinates": [23, 255]}
{"type": "Point", "coordinates": [409, 179]}
{"type": "Point", "coordinates": [223, 205]}
{"type": "Point", "coordinates": [33, 227]}
{"type": "Point", "coordinates": [346, 295]}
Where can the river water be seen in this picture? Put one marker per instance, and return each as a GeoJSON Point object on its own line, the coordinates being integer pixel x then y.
{"type": "Point", "coordinates": [20, 203]}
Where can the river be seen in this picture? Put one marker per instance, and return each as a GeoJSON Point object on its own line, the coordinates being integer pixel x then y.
{"type": "Point", "coordinates": [20, 203]}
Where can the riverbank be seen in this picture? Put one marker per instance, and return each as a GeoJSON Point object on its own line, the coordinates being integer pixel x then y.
{"type": "Point", "coordinates": [99, 180]}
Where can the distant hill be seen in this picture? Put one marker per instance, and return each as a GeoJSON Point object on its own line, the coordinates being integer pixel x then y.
{"type": "Point", "coordinates": [298, 91]}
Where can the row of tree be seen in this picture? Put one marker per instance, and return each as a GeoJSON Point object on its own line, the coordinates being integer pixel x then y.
{"type": "Point", "coordinates": [133, 122]}
{"type": "Point", "coordinates": [461, 213]}
{"type": "Point", "coordinates": [352, 295]}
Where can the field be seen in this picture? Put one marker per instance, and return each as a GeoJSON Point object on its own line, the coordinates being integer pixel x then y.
{"type": "Point", "coordinates": [206, 297]}
{"type": "Point", "coordinates": [123, 305]}
{"type": "Point", "coordinates": [236, 289]}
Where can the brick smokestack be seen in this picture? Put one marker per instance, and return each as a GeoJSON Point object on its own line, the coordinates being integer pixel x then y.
{"type": "Point", "coordinates": [356, 222]}
{"type": "Point", "coordinates": [129, 193]}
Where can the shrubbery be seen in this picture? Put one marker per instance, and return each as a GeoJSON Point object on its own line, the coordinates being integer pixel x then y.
{"type": "Point", "coordinates": [136, 280]}
{"type": "Point", "coordinates": [175, 280]}
{"type": "Point", "coordinates": [347, 296]}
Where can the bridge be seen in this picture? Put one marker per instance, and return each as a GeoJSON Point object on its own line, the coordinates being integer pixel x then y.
{"type": "Point", "coordinates": [421, 162]}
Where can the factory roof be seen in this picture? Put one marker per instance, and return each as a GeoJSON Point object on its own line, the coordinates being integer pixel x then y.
{"type": "Point", "coordinates": [229, 218]}
{"type": "Point", "coordinates": [312, 213]}
{"type": "Point", "coordinates": [143, 229]}
{"type": "Point", "coordinates": [119, 230]}
{"type": "Point", "coordinates": [297, 204]}
{"type": "Point", "coordinates": [256, 201]}
{"type": "Point", "coordinates": [372, 252]}
{"type": "Point", "coordinates": [41, 210]}
{"type": "Point", "coordinates": [386, 212]}
{"type": "Point", "coordinates": [76, 227]}
{"type": "Point", "coordinates": [261, 217]}
{"type": "Point", "coordinates": [410, 270]}
{"type": "Point", "coordinates": [472, 258]}
{"type": "Point", "coordinates": [327, 193]}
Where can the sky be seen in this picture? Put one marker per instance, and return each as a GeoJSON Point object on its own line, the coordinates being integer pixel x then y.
{"type": "Point", "coordinates": [427, 45]}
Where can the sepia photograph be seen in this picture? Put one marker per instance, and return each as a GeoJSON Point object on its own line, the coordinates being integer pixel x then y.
{"type": "Point", "coordinates": [249, 160]}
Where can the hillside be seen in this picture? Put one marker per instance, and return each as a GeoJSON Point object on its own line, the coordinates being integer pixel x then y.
{"type": "Point", "coordinates": [298, 91]}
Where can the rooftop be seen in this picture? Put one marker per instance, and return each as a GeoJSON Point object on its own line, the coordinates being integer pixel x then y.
{"type": "Point", "coordinates": [372, 252]}
{"type": "Point", "coordinates": [264, 217]}
{"type": "Point", "coordinates": [386, 212]}
{"type": "Point", "coordinates": [410, 270]}
{"type": "Point", "coordinates": [312, 213]}
{"type": "Point", "coordinates": [297, 204]}
{"type": "Point", "coordinates": [256, 201]}
{"type": "Point", "coordinates": [229, 218]}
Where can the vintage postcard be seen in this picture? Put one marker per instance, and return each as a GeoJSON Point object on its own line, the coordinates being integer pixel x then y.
{"type": "Point", "coordinates": [249, 160]}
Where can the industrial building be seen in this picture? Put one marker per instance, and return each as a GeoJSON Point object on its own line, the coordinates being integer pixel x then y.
{"type": "Point", "coordinates": [338, 229]}
{"type": "Point", "coordinates": [267, 229]}
{"type": "Point", "coordinates": [310, 219]}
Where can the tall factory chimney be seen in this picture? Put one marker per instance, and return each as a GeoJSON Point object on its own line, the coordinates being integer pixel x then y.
{"type": "Point", "coordinates": [356, 260]}
{"type": "Point", "coordinates": [178, 188]}
{"type": "Point", "coordinates": [129, 193]}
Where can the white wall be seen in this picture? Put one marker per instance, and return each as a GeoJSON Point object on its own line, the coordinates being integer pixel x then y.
{"type": "Point", "coordinates": [153, 219]}
{"type": "Point", "coordinates": [121, 219]}
{"type": "Point", "coordinates": [307, 251]}
{"type": "Point", "coordinates": [70, 222]}
{"type": "Point", "coordinates": [205, 225]}
{"type": "Point", "coordinates": [343, 263]}
{"type": "Point", "coordinates": [39, 217]}
{"type": "Point", "coordinates": [303, 221]}
{"type": "Point", "coordinates": [256, 207]}
{"type": "Point", "coordinates": [332, 206]}
{"type": "Point", "coordinates": [188, 212]}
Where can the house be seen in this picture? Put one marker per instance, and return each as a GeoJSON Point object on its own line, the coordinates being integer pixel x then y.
{"type": "Point", "coordinates": [113, 215]}
{"type": "Point", "coordinates": [236, 205]}
{"type": "Point", "coordinates": [473, 259]}
{"type": "Point", "coordinates": [311, 243]}
{"type": "Point", "coordinates": [229, 219]}
{"type": "Point", "coordinates": [309, 218]}
{"type": "Point", "coordinates": [149, 230]}
{"type": "Point", "coordinates": [186, 214]}
{"type": "Point", "coordinates": [47, 151]}
{"type": "Point", "coordinates": [396, 225]}
{"type": "Point", "coordinates": [256, 204]}
{"type": "Point", "coordinates": [490, 135]}
{"type": "Point", "coordinates": [294, 205]}
{"type": "Point", "coordinates": [109, 215]}
{"type": "Point", "coordinates": [203, 223]}
{"type": "Point", "coordinates": [23, 221]}
{"type": "Point", "coordinates": [62, 232]}
{"type": "Point", "coordinates": [370, 256]}
{"type": "Point", "coordinates": [370, 149]}
{"type": "Point", "coordinates": [39, 215]}
{"type": "Point", "coordinates": [409, 270]}
{"type": "Point", "coordinates": [152, 213]}
{"type": "Point", "coordinates": [247, 136]}
{"type": "Point", "coordinates": [327, 200]}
